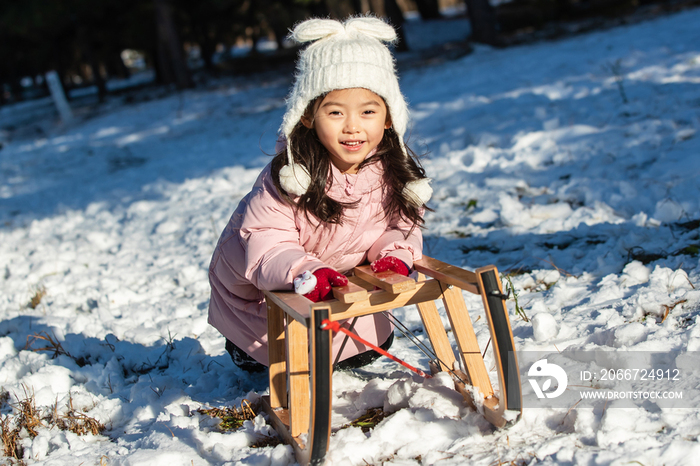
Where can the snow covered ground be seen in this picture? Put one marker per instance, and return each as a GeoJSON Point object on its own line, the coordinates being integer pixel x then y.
{"type": "Point", "coordinates": [575, 165]}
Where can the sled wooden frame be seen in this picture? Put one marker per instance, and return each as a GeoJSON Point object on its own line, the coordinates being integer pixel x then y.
{"type": "Point", "coordinates": [299, 403]}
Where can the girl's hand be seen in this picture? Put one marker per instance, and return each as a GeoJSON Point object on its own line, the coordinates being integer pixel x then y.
{"type": "Point", "coordinates": [390, 263]}
{"type": "Point", "coordinates": [322, 280]}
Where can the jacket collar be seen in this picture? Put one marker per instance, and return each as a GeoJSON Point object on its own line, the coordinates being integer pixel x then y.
{"type": "Point", "coordinates": [369, 178]}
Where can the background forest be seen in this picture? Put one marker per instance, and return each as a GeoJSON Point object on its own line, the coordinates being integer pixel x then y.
{"type": "Point", "coordinates": [88, 43]}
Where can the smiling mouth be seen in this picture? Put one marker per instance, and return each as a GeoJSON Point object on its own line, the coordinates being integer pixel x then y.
{"type": "Point", "coordinates": [352, 144]}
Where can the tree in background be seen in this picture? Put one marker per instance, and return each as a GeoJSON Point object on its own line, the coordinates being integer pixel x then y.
{"type": "Point", "coordinates": [395, 15]}
{"type": "Point", "coordinates": [37, 37]}
{"type": "Point", "coordinates": [341, 9]}
{"type": "Point", "coordinates": [208, 24]}
{"type": "Point", "coordinates": [482, 18]}
{"type": "Point", "coordinates": [73, 37]}
{"type": "Point", "coordinates": [428, 9]}
{"type": "Point", "coordinates": [170, 60]}
{"type": "Point", "coordinates": [83, 40]}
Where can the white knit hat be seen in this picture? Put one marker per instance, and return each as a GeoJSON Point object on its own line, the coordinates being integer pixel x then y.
{"type": "Point", "coordinates": [343, 56]}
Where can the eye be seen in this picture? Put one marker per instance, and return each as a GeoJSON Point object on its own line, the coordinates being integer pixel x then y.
{"type": "Point", "coordinates": [369, 112]}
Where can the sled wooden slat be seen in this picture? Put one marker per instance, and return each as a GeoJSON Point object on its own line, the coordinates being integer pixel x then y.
{"type": "Point", "coordinates": [376, 301]}
{"type": "Point", "coordinates": [388, 281]}
{"type": "Point", "coordinates": [279, 418]}
{"type": "Point", "coordinates": [436, 333]}
{"type": "Point", "coordinates": [292, 304]}
{"type": "Point", "coordinates": [361, 283]}
{"type": "Point", "coordinates": [277, 353]}
{"type": "Point", "coordinates": [298, 364]}
{"type": "Point", "coordinates": [466, 341]}
{"type": "Point", "coordinates": [493, 412]}
{"type": "Point", "coordinates": [301, 360]}
{"type": "Point", "coordinates": [448, 274]}
{"type": "Point", "coordinates": [380, 300]}
{"type": "Point", "coordinates": [350, 293]}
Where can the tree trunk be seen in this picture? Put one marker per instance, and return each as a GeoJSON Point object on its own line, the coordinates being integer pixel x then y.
{"type": "Point", "coordinates": [395, 15]}
{"type": "Point", "coordinates": [207, 47]}
{"type": "Point", "coordinates": [97, 78]}
{"type": "Point", "coordinates": [340, 9]}
{"type": "Point", "coordinates": [172, 62]}
{"type": "Point", "coordinates": [88, 49]}
{"type": "Point", "coordinates": [319, 9]}
{"type": "Point", "coordinates": [207, 50]}
{"type": "Point", "coordinates": [280, 19]}
{"type": "Point", "coordinates": [60, 69]}
{"type": "Point", "coordinates": [120, 68]}
{"type": "Point", "coordinates": [357, 6]}
{"type": "Point", "coordinates": [483, 21]}
{"type": "Point", "coordinates": [428, 9]}
{"type": "Point", "coordinates": [163, 73]}
{"type": "Point", "coordinates": [16, 90]}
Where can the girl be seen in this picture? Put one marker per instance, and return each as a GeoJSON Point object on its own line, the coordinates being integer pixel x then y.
{"type": "Point", "coordinates": [343, 189]}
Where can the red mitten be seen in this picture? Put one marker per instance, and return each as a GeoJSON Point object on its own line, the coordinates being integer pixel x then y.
{"type": "Point", "coordinates": [325, 279]}
{"type": "Point", "coordinates": [390, 263]}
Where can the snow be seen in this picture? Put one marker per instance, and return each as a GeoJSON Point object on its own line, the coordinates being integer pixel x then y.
{"type": "Point", "coordinates": [573, 165]}
{"type": "Point", "coordinates": [544, 325]}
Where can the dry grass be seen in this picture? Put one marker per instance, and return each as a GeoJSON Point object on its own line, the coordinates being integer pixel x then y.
{"type": "Point", "coordinates": [76, 422]}
{"type": "Point", "coordinates": [669, 308]}
{"type": "Point", "coordinates": [52, 344]}
{"type": "Point", "coordinates": [515, 462]}
{"type": "Point", "coordinates": [561, 271]}
{"type": "Point", "coordinates": [369, 420]}
{"type": "Point", "coordinates": [232, 418]}
{"type": "Point", "coordinates": [38, 296]}
{"type": "Point", "coordinates": [10, 439]}
{"type": "Point", "coordinates": [26, 417]}
{"type": "Point", "coordinates": [267, 442]}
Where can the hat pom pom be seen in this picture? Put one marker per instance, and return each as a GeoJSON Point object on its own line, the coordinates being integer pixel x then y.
{"type": "Point", "coordinates": [418, 191]}
{"type": "Point", "coordinates": [294, 179]}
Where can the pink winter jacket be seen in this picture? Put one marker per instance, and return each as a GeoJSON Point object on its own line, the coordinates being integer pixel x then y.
{"type": "Point", "coordinates": [265, 246]}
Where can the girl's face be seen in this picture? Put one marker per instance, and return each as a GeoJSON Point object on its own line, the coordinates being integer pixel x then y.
{"type": "Point", "coordinates": [350, 123]}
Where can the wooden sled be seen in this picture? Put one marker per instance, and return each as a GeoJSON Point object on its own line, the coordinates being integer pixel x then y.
{"type": "Point", "coordinates": [299, 403]}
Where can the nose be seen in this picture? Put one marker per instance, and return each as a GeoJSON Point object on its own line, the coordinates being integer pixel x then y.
{"type": "Point", "coordinates": [351, 125]}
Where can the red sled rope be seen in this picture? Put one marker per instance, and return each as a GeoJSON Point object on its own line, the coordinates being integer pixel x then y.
{"type": "Point", "coordinates": [335, 327]}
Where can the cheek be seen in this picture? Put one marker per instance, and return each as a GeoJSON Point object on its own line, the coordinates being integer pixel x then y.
{"type": "Point", "coordinates": [325, 130]}
{"type": "Point", "coordinates": [378, 133]}
{"type": "Point", "coordinates": [324, 135]}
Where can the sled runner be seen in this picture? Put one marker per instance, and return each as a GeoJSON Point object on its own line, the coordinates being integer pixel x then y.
{"type": "Point", "coordinates": [300, 336]}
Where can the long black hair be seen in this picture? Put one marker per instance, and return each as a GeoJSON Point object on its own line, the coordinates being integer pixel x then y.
{"type": "Point", "coordinates": [307, 150]}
